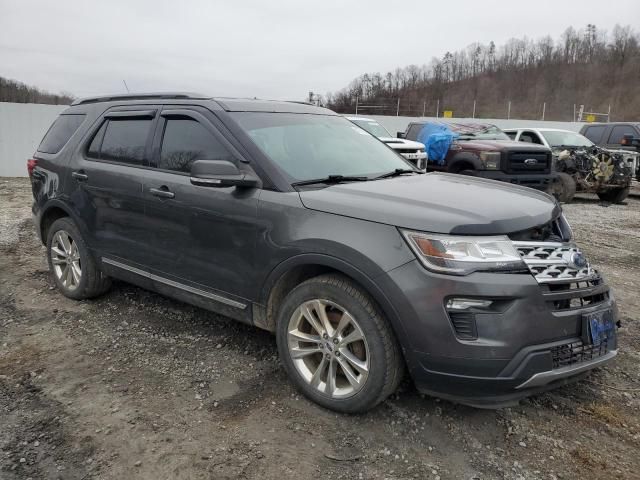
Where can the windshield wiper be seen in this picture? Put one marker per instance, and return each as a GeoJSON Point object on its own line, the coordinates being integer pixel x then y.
{"type": "Point", "coordinates": [397, 172]}
{"type": "Point", "coordinates": [331, 179]}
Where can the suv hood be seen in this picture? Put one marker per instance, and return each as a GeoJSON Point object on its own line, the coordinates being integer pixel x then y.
{"type": "Point", "coordinates": [499, 145]}
{"type": "Point", "coordinates": [438, 203]}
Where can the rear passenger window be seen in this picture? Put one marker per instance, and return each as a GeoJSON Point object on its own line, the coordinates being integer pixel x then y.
{"type": "Point", "coordinates": [121, 140]}
{"type": "Point", "coordinates": [60, 133]}
{"type": "Point", "coordinates": [185, 141]}
{"type": "Point", "coordinates": [594, 133]}
{"type": "Point", "coordinates": [620, 131]}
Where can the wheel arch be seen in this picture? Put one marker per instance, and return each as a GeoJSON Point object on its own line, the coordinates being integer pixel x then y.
{"type": "Point", "coordinates": [293, 271]}
{"type": "Point", "coordinates": [464, 161]}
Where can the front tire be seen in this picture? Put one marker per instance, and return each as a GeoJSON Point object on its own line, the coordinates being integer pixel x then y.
{"type": "Point", "coordinates": [615, 195]}
{"type": "Point", "coordinates": [73, 267]}
{"type": "Point", "coordinates": [563, 187]}
{"type": "Point", "coordinates": [336, 346]}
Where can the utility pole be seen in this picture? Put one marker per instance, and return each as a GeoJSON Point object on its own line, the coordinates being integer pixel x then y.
{"type": "Point", "coordinates": [398, 108]}
{"type": "Point", "coordinates": [609, 114]}
{"type": "Point", "coordinates": [438, 109]}
{"type": "Point", "coordinates": [473, 115]}
{"type": "Point", "coordinates": [509, 110]}
{"type": "Point", "coordinates": [356, 105]}
{"type": "Point", "coordinates": [424, 107]}
{"type": "Point", "coordinates": [544, 107]}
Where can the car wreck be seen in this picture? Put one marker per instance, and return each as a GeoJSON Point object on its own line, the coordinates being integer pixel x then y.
{"type": "Point", "coordinates": [582, 166]}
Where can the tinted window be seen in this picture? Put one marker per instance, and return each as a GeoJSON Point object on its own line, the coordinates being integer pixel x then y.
{"type": "Point", "coordinates": [414, 131]}
{"type": "Point", "coordinates": [620, 131]}
{"type": "Point", "coordinates": [595, 133]}
{"type": "Point", "coordinates": [184, 141]}
{"type": "Point", "coordinates": [96, 143]}
{"type": "Point", "coordinates": [512, 135]}
{"type": "Point", "coordinates": [60, 133]}
{"type": "Point", "coordinates": [125, 140]}
{"type": "Point", "coordinates": [530, 137]}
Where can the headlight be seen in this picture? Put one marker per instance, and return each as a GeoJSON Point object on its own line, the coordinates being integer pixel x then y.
{"type": "Point", "coordinates": [490, 160]}
{"type": "Point", "coordinates": [464, 255]}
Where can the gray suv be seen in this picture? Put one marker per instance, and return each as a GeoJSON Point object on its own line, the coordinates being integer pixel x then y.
{"type": "Point", "coordinates": [287, 217]}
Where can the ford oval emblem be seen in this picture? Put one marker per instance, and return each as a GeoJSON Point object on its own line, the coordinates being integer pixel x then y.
{"type": "Point", "coordinates": [578, 261]}
{"type": "Point", "coordinates": [531, 161]}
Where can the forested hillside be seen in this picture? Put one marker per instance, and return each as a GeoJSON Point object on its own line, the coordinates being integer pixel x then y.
{"type": "Point", "coordinates": [587, 67]}
{"type": "Point", "coordinates": [17, 92]}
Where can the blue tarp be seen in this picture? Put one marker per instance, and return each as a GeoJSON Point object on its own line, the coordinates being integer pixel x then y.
{"type": "Point", "coordinates": [437, 139]}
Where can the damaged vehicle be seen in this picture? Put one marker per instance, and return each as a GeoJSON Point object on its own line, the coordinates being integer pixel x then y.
{"type": "Point", "coordinates": [581, 166]}
{"type": "Point", "coordinates": [284, 216]}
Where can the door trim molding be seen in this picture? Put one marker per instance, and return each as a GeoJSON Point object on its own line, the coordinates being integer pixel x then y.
{"type": "Point", "coordinates": [172, 283]}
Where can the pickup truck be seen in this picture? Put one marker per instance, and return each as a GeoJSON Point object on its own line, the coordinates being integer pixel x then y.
{"type": "Point", "coordinates": [483, 150]}
{"type": "Point", "coordinates": [582, 166]}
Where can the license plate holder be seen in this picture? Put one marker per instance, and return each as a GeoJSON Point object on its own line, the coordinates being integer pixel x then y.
{"type": "Point", "coordinates": [600, 326]}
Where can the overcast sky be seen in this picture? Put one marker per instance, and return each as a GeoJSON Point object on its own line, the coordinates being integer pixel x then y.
{"type": "Point", "coordinates": [277, 49]}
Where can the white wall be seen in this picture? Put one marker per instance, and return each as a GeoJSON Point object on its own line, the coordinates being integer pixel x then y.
{"type": "Point", "coordinates": [399, 124]}
{"type": "Point", "coordinates": [22, 126]}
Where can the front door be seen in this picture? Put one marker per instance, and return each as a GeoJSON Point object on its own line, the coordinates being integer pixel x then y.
{"type": "Point", "coordinates": [202, 236]}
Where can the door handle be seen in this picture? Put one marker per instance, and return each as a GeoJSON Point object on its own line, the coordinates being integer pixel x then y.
{"type": "Point", "coordinates": [162, 192]}
{"type": "Point", "coordinates": [80, 176]}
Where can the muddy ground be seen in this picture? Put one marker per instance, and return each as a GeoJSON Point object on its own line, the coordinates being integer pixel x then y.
{"type": "Point", "coordinates": [134, 385]}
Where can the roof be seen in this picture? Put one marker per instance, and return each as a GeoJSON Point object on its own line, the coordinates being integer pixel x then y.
{"type": "Point", "coordinates": [536, 129]}
{"type": "Point", "coordinates": [277, 106]}
{"type": "Point", "coordinates": [228, 104]}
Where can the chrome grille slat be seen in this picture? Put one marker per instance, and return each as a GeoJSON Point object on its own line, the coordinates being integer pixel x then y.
{"type": "Point", "coordinates": [549, 262]}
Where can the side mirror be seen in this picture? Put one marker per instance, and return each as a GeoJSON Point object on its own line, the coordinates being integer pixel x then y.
{"type": "Point", "coordinates": [221, 174]}
{"type": "Point", "coordinates": [400, 134]}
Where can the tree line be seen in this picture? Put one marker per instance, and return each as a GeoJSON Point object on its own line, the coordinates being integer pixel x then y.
{"type": "Point", "coordinates": [585, 66]}
{"type": "Point", "coordinates": [18, 92]}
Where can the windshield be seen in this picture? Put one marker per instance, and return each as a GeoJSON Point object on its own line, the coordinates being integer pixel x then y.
{"type": "Point", "coordinates": [569, 139]}
{"type": "Point", "coordinates": [374, 128]}
{"type": "Point", "coordinates": [478, 132]}
{"type": "Point", "coordinates": [315, 146]}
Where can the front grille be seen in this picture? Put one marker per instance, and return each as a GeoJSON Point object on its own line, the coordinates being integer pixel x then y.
{"type": "Point", "coordinates": [551, 262]}
{"type": "Point", "coordinates": [576, 353]}
{"type": "Point", "coordinates": [528, 162]}
{"type": "Point", "coordinates": [406, 150]}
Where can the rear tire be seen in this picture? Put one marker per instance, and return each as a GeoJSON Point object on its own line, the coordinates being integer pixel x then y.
{"type": "Point", "coordinates": [563, 187]}
{"type": "Point", "coordinates": [351, 365]}
{"type": "Point", "coordinates": [469, 173]}
{"type": "Point", "coordinates": [73, 267]}
{"type": "Point", "coordinates": [615, 195]}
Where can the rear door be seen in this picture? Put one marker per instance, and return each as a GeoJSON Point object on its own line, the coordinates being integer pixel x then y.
{"type": "Point", "coordinates": [203, 237]}
{"type": "Point", "coordinates": [107, 175]}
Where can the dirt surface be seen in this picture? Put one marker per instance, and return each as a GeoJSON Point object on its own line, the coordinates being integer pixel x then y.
{"type": "Point", "coordinates": [134, 385]}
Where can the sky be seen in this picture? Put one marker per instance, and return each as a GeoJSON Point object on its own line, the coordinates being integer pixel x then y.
{"type": "Point", "coordinates": [278, 49]}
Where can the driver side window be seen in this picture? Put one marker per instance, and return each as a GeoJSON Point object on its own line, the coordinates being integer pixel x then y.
{"type": "Point", "coordinates": [185, 140]}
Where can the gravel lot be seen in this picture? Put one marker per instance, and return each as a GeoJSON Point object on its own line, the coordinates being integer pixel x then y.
{"type": "Point", "coordinates": [134, 385]}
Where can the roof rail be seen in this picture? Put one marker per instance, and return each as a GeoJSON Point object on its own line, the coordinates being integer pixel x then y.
{"type": "Point", "coordinates": [140, 96]}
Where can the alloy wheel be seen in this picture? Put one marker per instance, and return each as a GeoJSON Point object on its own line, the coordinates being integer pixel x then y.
{"type": "Point", "coordinates": [65, 258]}
{"type": "Point", "coordinates": [328, 348]}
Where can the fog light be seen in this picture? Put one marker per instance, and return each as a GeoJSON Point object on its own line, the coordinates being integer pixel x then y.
{"type": "Point", "coordinates": [467, 303]}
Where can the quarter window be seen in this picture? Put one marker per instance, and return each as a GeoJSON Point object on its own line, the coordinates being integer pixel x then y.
{"type": "Point", "coordinates": [618, 132]}
{"type": "Point", "coordinates": [60, 133]}
{"type": "Point", "coordinates": [184, 141]}
{"type": "Point", "coordinates": [121, 140]}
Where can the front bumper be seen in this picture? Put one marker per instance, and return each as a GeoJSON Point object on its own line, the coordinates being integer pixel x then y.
{"type": "Point", "coordinates": [522, 347]}
{"type": "Point", "coordinates": [419, 159]}
{"type": "Point", "coordinates": [538, 181]}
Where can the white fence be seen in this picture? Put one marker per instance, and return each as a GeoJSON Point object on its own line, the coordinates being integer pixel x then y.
{"type": "Point", "coordinates": [22, 126]}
